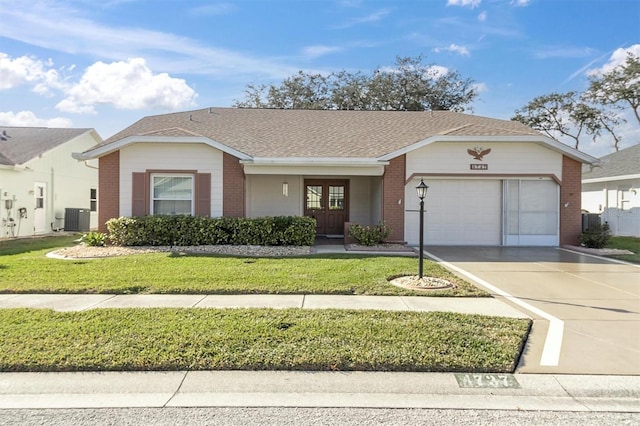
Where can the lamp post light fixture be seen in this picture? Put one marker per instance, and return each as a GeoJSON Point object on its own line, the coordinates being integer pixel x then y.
{"type": "Point", "coordinates": [422, 193]}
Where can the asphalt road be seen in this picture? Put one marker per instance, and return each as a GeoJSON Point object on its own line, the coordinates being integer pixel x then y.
{"type": "Point", "coordinates": [306, 416]}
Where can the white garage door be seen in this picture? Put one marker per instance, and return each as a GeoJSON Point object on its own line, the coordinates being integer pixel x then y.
{"type": "Point", "coordinates": [458, 212]}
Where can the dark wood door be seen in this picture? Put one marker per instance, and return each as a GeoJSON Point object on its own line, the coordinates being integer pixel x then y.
{"type": "Point", "coordinates": [326, 201]}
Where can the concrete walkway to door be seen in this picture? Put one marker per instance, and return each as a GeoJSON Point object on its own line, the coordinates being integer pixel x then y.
{"type": "Point", "coordinates": [586, 309]}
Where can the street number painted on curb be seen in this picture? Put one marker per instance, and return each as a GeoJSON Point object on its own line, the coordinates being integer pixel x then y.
{"type": "Point", "coordinates": [491, 381]}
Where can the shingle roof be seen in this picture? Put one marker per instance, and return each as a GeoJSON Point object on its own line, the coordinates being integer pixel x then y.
{"type": "Point", "coordinates": [622, 163]}
{"type": "Point", "coordinates": [21, 144]}
{"type": "Point", "coordinates": [280, 133]}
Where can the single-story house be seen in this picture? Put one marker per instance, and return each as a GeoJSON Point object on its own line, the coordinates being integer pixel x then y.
{"type": "Point", "coordinates": [491, 182]}
{"type": "Point", "coordinates": [40, 180]}
{"type": "Point", "coordinates": [611, 190]}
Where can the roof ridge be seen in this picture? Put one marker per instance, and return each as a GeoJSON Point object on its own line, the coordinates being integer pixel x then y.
{"type": "Point", "coordinates": [169, 129]}
{"type": "Point", "coordinates": [454, 129]}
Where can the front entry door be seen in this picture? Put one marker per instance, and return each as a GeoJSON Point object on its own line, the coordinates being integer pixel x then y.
{"type": "Point", "coordinates": [326, 201]}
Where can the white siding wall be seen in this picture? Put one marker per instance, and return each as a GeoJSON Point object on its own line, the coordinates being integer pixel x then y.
{"type": "Point", "coordinates": [607, 198]}
{"type": "Point", "coordinates": [265, 197]}
{"type": "Point", "coordinates": [141, 157]}
{"type": "Point", "coordinates": [504, 158]}
{"type": "Point", "coordinates": [593, 197]}
{"type": "Point", "coordinates": [360, 201]}
{"type": "Point", "coordinates": [68, 183]}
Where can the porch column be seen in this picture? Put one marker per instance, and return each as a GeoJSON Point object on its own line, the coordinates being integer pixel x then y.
{"type": "Point", "coordinates": [393, 198]}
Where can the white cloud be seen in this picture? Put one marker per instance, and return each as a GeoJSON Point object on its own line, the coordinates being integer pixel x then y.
{"type": "Point", "coordinates": [60, 27]}
{"type": "Point", "coordinates": [29, 119]}
{"type": "Point", "coordinates": [27, 70]}
{"type": "Point", "coordinates": [520, 3]}
{"type": "Point", "coordinates": [482, 16]}
{"type": "Point", "coordinates": [480, 87]}
{"type": "Point", "coordinates": [126, 85]}
{"type": "Point", "coordinates": [470, 3]}
{"type": "Point", "coordinates": [436, 71]}
{"type": "Point", "coordinates": [371, 18]}
{"type": "Point", "coordinates": [563, 52]}
{"type": "Point", "coordinates": [458, 49]}
{"type": "Point", "coordinates": [461, 50]}
{"type": "Point", "coordinates": [320, 50]}
{"type": "Point", "coordinates": [618, 57]}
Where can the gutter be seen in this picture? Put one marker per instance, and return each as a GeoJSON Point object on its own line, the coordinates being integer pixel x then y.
{"type": "Point", "coordinates": [315, 162]}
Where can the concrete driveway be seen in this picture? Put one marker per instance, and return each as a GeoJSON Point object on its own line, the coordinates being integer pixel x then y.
{"type": "Point", "coordinates": [586, 309]}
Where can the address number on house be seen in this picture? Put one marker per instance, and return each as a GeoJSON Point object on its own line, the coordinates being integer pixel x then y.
{"type": "Point", "coordinates": [479, 166]}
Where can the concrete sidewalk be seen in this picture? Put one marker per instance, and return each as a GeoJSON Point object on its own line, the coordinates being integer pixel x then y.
{"type": "Point", "coordinates": [82, 302]}
{"type": "Point", "coordinates": [320, 389]}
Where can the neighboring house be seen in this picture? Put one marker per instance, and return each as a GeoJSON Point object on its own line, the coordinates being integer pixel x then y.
{"type": "Point", "coordinates": [40, 180]}
{"type": "Point", "coordinates": [491, 182]}
{"type": "Point", "coordinates": [611, 189]}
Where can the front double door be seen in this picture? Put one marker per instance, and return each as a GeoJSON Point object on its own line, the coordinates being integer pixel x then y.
{"type": "Point", "coordinates": [327, 202]}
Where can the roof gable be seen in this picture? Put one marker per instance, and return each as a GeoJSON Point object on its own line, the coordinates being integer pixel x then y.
{"type": "Point", "coordinates": [21, 144]}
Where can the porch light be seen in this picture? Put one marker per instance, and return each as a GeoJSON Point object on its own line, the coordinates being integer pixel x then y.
{"type": "Point", "coordinates": [421, 189]}
{"type": "Point", "coordinates": [285, 188]}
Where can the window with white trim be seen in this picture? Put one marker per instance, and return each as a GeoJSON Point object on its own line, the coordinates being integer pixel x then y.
{"type": "Point", "coordinates": [93, 199]}
{"type": "Point", "coordinates": [172, 194]}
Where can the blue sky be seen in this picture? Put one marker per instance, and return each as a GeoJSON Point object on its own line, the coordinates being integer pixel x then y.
{"type": "Point", "coordinates": [82, 63]}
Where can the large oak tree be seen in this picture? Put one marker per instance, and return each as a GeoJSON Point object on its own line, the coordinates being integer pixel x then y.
{"type": "Point", "coordinates": [408, 86]}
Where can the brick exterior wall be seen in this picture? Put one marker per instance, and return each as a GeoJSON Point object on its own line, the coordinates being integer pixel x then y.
{"type": "Point", "coordinates": [570, 196]}
{"type": "Point", "coordinates": [392, 191]}
{"type": "Point", "coordinates": [233, 192]}
{"type": "Point", "coordinates": [108, 189]}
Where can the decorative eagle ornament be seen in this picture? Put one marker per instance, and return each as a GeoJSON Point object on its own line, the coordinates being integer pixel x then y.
{"type": "Point", "coordinates": [478, 152]}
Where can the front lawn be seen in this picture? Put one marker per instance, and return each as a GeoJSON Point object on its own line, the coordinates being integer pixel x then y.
{"type": "Point", "coordinates": [257, 339]}
{"type": "Point", "coordinates": [626, 243]}
{"type": "Point", "coordinates": [25, 269]}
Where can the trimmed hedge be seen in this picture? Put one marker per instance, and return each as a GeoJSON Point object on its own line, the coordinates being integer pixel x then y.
{"type": "Point", "coordinates": [369, 235]}
{"type": "Point", "coordinates": [183, 230]}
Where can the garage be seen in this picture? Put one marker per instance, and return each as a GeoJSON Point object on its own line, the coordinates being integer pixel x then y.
{"type": "Point", "coordinates": [476, 211]}
{"type": "Point", "coordinates": [458, 212]}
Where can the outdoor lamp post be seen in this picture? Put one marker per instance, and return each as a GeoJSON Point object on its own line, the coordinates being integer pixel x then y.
{"type": "Point", "coordinates": [422, 193]}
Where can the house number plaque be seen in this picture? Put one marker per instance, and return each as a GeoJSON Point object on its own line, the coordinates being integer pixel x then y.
{"type": "Point", "coordinates": [479, 166]}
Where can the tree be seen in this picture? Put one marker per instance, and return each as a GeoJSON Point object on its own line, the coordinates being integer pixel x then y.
{"type": "Point", "coordinates": [567, 114]}
{"type": "Point", "coordinates": [409, 86]}
{"type": "Point", "coordinates": [619, 86]}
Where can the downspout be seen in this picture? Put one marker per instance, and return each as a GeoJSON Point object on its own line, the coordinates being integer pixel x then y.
{"type": "Point", "coordinates": [52, 200]}
{"type": "Point", "coordinates": [86, 164]}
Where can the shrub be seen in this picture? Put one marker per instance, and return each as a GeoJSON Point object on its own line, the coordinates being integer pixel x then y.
{"type": "Point", "coordinates": [596, 236]}
{"type": "Point", "coordinates": [96, 239]}
{"type": "Point", "coordinates": [182, 230]}
{"type": "Point", "coordinates": [369, 235]}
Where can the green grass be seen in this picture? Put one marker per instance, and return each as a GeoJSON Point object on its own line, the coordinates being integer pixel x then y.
{"type": "Point", "coordinates": [626, 243]}
{"type": "Point", "coordinates": [25, 269]}
{"type": "Point", "coordinates": [257, 339]}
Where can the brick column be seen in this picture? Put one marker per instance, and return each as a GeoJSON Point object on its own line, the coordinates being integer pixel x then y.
{"type": "Point", "coordinates": [108, 189]}
{"type": "Point", "coordinates": [570, 202]}
{"type": "Point", "coordinates": [233, 187]}
{"type": "Point", "coordinates": [392, 191]}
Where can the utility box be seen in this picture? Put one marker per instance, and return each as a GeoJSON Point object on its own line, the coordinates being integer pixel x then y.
{"type": "Point", "coordinates": [590, 221]}
{"type": "Point", "coordinates": [77, 220]}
